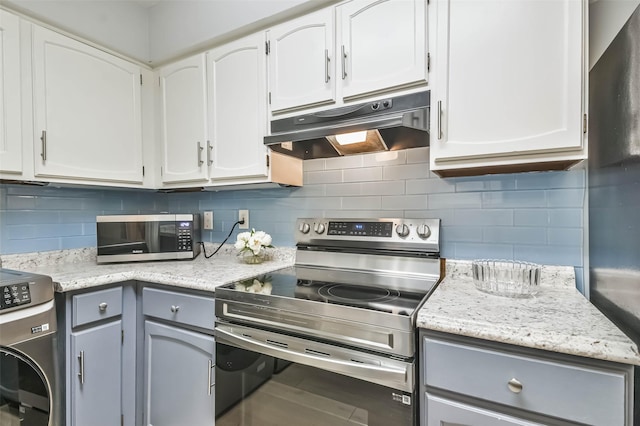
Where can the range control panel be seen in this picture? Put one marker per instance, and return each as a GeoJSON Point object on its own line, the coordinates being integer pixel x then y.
{"type": "Point", "coordinates": [364, 229]}
{"type": "Point", "coordinates": [14, 295]}
{"type": "Point", "coordinates": [409, 234]}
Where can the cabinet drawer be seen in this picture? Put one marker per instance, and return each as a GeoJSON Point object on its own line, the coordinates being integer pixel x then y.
{"type": "Point", "coordinates": [572, 392]}
{"type": "Point", "coordinates": [97, 305]}
{"type": "Point", "coordinates": [182, 308]}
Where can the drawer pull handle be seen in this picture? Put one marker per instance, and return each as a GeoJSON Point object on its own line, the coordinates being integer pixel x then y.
{"type": "Point", "coordinates": [175, 308]}
{"type": "Point", "coordinates": [209, 376]}
{"type": "Point", "coordinates": [514, 386]}
{"type": "Point", "coordinates": [102, 306]}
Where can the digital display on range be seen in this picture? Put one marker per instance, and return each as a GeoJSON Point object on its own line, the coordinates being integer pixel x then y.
{"type": "Point", "coordinates": [14, 295]}
{"type": "Point", "coordinates": [361, 229]}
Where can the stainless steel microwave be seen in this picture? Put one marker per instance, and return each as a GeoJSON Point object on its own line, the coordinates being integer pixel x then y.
{"type": "Point", "coordinates": [136, 238]}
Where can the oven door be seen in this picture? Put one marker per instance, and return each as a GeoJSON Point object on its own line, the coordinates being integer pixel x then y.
{"type": "Point", "coordinates": [265, 378]}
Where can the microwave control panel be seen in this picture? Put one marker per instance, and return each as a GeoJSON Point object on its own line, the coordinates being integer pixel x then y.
{"type": "Point", "coordinates": [185, 235]}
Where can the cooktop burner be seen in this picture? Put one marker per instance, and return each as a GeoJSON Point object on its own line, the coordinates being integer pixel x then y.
{"type": "Point", "coordinates": [350, 293]}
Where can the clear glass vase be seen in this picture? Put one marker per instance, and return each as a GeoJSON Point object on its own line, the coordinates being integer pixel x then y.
{"type": "Point", "coordinates": [252, 259]}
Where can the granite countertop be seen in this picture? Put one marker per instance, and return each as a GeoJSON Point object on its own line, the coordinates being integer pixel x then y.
{"type": "Point", "coordinates": [557, 319]}
{"type": "Point", "coordinates": [77, 269]}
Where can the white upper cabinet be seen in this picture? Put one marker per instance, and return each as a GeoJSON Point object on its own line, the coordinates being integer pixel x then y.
{"type": "Point", "coordinates": [238, 108]}
{"type": "Point", "coordinates": [375, 46]}
{"type": "Point", "coordinates": [382, 45]}
{"type": "Point", "coordinates": [183, 105]}
{"type": "Point", "coordinates": [87, 113]}
{"type": "Point", "coordinates": [10, 99]}
{"type": "Point", "coordinates": [301, 61]}
{"type": "Point", "coordinates": [509, 84]}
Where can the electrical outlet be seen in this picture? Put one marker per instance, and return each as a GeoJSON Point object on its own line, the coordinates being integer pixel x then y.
{"type": "Point", "coordinates": [243, 214]}
{"type": "Point", "coordinates": [208, 220]}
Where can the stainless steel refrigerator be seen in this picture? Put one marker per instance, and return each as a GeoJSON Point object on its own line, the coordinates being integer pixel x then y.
{"type": "Point", "coordinates": [614, 184]}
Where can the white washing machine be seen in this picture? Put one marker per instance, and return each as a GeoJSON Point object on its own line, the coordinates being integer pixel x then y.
{"type": "Point", "coordinates": [29, 373]}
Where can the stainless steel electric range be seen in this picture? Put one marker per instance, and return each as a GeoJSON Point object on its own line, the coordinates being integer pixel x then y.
{"type": "Point", "coordinates": [333, 337]}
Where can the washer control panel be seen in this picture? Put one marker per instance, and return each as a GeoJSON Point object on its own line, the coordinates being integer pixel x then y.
{"type": "Point", "coordinates": [14, 295]}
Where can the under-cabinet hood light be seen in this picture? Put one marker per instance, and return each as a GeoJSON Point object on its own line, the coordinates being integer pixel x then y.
{"type": "Point", "coordinates": [353, 137]}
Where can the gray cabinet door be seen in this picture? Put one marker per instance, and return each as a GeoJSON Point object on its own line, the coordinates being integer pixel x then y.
{"type": "Point", "coordinates": [446, 412]}
{"type": "Point", "coordinates": [179, 376]}
{"type": "Point", "coordinates": [96, 375]}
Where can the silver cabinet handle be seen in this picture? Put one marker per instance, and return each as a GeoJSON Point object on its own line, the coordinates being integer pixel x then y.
{"type": "Point", "coordinates": [344, 63]}
{"type": "Point", "coordinates": [327, 77]}
{"type": "Point", "coordinates": [175, 308]}
{"type": "Point", "coordinates": [439, 120]}
{"type": "Point", "coordinates": [43, 139]}
{"type": "Point", "coordinates": [209, 375]}
{"type": "Point", "coordinates": [514, 385]}
{"type": "Point", "coordinates": [209, 153]}
{"type": "Point", "coordinates": [81, 373]}
{"type": "Point", "coordinates": [102, 306]}
{"type": "Point", "coordinates": [200, 148]}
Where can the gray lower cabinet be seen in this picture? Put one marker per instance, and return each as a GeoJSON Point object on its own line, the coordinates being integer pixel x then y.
{"type": "Point", "coordinates": [470, 381]}
{"type": "Point", "coordinates": [99, 355]}
{"type": "Point", "coordinates": [179, 358]}
{"type": "Point", "coordinates": [96, 375]}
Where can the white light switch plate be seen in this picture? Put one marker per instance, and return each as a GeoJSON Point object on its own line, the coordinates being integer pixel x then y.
{"type": "Point", "coordinates": [208, 220]}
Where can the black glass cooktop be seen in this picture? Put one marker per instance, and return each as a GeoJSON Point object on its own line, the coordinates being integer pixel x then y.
{"type": "Point", "coordinates": [291, 283]}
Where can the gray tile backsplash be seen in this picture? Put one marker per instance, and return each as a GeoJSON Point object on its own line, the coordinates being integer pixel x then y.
{"type": "Point", "coordinates": [528, 216]}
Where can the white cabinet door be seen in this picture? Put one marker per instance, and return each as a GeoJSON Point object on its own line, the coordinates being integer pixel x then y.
{"type": "Point", "coordinates": [10, 101]}
{"type": "Point", "coordinates": [87, 119]}
{"type": "Point", "coordinates": [179, 376]}
{"type": "Point", "coordinates": [96, 375]}
{"type": "Point", "coordinates": [301, 61]}
{"type": "Point", "coordinates": [238, 108]}
{"type": "Point", "coordinates": [183, 100]}
{"type": "Point", "coordinates": [509, 79]}
{"type": "Point", "coordinates": [382, 45]}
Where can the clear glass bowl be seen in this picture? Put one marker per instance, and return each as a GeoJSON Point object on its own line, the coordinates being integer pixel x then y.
{"type": "Point", "coordinates": [506, 278]}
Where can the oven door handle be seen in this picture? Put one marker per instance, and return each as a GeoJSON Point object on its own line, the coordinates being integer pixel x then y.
{"type": "Point", "coordinates": [386, 376]}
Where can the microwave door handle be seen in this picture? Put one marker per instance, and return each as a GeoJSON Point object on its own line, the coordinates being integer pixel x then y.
{"type": "Point", "coordinates": [371, 373]}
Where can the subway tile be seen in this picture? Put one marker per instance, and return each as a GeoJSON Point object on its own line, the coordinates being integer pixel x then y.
{"type": "Point", "coordinates": [418, 155]}
{"type": "Point", "coordinates": [362, 203]}
{"type": "Point", "coordinates": [406, 171]}
{"type": "Point", "coordinates": [566, 197]}
{"type": "Point", "coordinates": [484, 217]}
{"type": "Point", "coordinates": [531, 217]}
{"type": "Point", "coordinates": [580, 279]}
{"type": "Point", "coordinates": [326, 176]}
{"type": "Point", "coordinates": [311, 190]}
{"type": "Point", "coordinates": [365, 174]}
{"type": "Point", "coordinates": [404, 202]}
{"type": "Point", "coordinates": [485, 183]}
{"type": "Point", "coordinates": [445, 215]}
{"type": "Point", "coordinates": [566, 218]}
{"type": "Point", "coordinates": [395, 187]}
{"type": "Point", "coordinates": [348, 162]}
{"type": "Point", "coordinates": [461, 200]}
{"type": "Point", "coordinates": [77, 241]}
{"type": "Point", "coordinates": [21, 202]}
{"type": "Point", "coordinates": [514, 235]}
{"type": "Point", "coordinates": [364, 214]}
{"type": "Point", "coordinates": [31, 245]}
{"type": "Point", "coordinates": [387, 158]}
{"type": "Point", "coordinates": [468, 234]}
{"type": "Point", "coordinates": [513, 199]}
{"type": "Point", "coordinates": [343, 189]}
{"type": "Point", "coordinates": [483, 251]}
{"type": "Point", "coordinates": [551, 180]}
{"type": "Point", "coordinates": [30, 217]}
{"type": "Point", "coordinates": [550, 255]}
{"type": "Point", "coordinates": [313, 165]}
{"type": "Point", "coordinates": [320, 203]}
{"type": "Point", "coordinates": [429, 186]}
{"type": "Point", "coordinates": [565, 236]}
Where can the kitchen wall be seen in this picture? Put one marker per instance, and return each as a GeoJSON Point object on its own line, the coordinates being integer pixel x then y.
{"type": "Point", "coordinates": [530, 216]}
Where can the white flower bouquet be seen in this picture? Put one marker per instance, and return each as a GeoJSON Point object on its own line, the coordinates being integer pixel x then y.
{"type": "Point", "coordinates": [252, 245]}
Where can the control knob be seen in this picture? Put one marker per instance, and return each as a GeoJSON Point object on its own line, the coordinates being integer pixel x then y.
{"type": "Point", "coordinates": [402, 230]}
{"type": "Point", "coordinates": [424, 231]}
{"type": "Point", "coordinates": [318, 228]}
{"type": "Point", "coordinates": [304, 228]}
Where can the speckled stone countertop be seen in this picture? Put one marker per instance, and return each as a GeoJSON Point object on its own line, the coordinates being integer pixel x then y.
{"type": "Point", "coordinates": [77, 269]}
{"type": "Point", "coordinates": [558, 318]}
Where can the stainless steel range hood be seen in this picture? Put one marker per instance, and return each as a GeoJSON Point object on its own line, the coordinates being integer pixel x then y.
{"type": "Point", "coordinates": [387, 124]}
